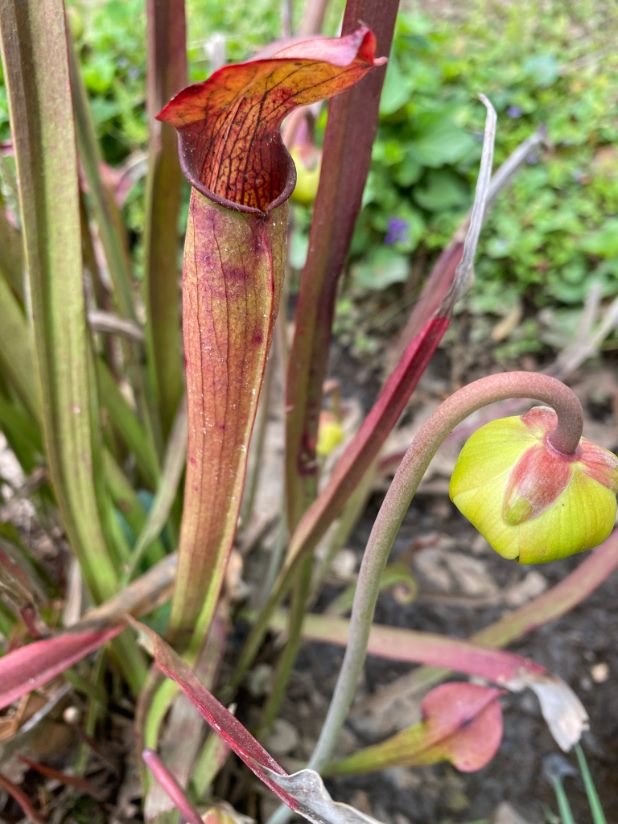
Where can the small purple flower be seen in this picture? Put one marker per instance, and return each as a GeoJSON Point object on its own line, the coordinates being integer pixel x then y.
{"type": "Point", "coordinates": [514, 111]}
{"type": "Point", "coordinates": [397, 231]}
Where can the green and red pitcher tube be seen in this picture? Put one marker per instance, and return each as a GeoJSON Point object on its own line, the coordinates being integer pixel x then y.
{"type": "Point", "coordinates": [241, 174]}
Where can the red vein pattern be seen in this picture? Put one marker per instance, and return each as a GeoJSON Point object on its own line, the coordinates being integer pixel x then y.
{"type": "Point", "coordinates": [231, 285]}
{"type": "Point", "coordinates": [232, 153]}
{"type": "Point", "coordinates": [230, 144]}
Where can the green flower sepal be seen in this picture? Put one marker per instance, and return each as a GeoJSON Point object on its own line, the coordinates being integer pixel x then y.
{"type": "Point", "coordinates": [532, 503]}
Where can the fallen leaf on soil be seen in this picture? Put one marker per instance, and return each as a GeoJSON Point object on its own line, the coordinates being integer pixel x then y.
{"type": "Point", "coordinates": [462, 723]}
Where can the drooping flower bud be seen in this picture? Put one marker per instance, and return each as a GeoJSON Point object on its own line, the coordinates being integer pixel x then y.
{"type": "Point", "coordinates": [529, 501]}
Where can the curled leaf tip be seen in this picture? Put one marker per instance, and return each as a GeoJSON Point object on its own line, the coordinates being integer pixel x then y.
{"type": "Point", "coordinates": [531, 502]}
{"type": "Point", "coordinates": [230, 146]}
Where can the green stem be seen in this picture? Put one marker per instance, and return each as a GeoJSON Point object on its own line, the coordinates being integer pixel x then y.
{"type": "Point", "coordinates": [456, 408]}
{"type": "Point", "coordinates": [399, 497]}
{"type": "Point", "coordinates": [594, 802]}
{"type": "Point", "coordinates": [300, 597]}
{"type": "Point", "coordinates": [564, 808]}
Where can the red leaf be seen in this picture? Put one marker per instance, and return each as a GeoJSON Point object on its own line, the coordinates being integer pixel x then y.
{"type": "Point", "coordinates": [369, 439]}
{"type": "Point", "coordinates": [28, 668]}
{"type": "Point", "coordinates": [464, 724]}
{"type": "Point", "coordinates": [215, 714]}
{"type": "Point", "coordinates": [230, 146]}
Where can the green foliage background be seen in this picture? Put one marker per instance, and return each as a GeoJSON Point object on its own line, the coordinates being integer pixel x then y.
{"type": "Point", "coordinates": [542, 63]}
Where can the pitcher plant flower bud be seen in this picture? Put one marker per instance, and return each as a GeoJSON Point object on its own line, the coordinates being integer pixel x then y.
{"type": "Point", "coordinates": [531, 502]}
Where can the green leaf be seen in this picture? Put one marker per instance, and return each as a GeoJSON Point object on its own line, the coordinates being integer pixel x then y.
{"type": "Point", "coordinates": [124, 419]}
{"type": "Point", "coordinates": [382, 269]}
{"type": "Point", "coordinates": [34, 50]}
{"type": "Point", "coordinates": [171, 474]}
{"type": "Point", "coordinates": [542, 69]}
{"type": "Point", "coordinates": [167, 73]}
{"type": "Point", "coordinates": [103, 206]}
{"type": "Point", "coordinates": [396, 91]}
{"type": "Point", "coordinates": [442, 190]}
{"type": "Point", "coordinates": [21, 433]}
{"type": "Point", "coordinates": [34, 45]}
{"type": "Point", "coordinates": [112, 235]}
{"type": "Point", "coordinates": [438, 141]}
{"type": "Point", "coordinates": [16, 349]}
{"type": "Point", "coordinates": [604, 242]}
{"type": "Point", "coordinates": [11, 257]}
{"type": "Point", "coordinates": [408, 171]}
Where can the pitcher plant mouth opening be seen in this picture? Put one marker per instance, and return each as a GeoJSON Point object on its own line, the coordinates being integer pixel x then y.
{"type": "Point", "coordinates": [231, 148]}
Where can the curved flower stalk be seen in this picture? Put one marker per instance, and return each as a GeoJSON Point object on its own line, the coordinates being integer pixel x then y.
{"type": "Point", "coordinates": [565, 438]}
{"type": "Point", "coordinates": [232, 153]}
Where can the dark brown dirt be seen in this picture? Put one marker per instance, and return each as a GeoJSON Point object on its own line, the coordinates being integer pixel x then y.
{"type": "Point", "coordinates": [579, 647]}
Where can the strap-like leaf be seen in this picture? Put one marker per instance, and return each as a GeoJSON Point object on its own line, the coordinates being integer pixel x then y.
{"type": "Point", "coordinates": [302, 792]}
{"type": "Point", "coordinates": [34, 46]}
{"type": "Point", "coordinates": [167, 73]}
{"type": "Point", "coordinates": [30, 667]}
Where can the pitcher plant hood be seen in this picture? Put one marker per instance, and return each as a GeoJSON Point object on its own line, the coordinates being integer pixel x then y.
{"type": "Point", "coordinates": [231, 148]}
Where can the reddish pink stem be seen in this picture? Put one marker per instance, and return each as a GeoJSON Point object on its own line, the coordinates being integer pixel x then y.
{"type": "Point", "coordinates": [171, 787]}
